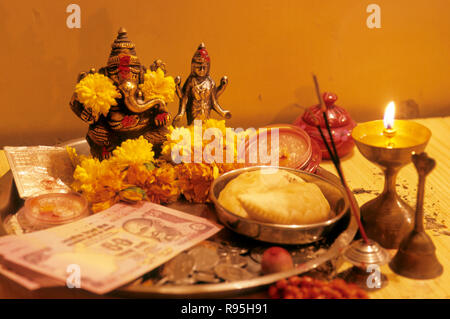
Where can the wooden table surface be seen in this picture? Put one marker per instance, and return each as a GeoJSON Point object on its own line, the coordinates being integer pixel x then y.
{"type": "Point", "coordinates": [360, 174]}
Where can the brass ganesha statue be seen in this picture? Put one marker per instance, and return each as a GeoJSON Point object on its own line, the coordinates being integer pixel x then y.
{"type": "Point", "coordinates": [134, 115]}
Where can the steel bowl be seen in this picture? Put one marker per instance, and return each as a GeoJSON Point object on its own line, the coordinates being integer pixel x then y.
{"type": "Point", "coordinates": [280, 233]}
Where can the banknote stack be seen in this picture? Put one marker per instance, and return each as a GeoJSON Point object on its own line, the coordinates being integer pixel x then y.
{"type": "Point", "coordinates": [102, 252]}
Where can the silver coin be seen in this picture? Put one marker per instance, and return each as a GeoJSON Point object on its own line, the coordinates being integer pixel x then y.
{"type": "Point", "coordinates": [305, 251]}
{"type": "Point", "coordinates": [212, 243]}
{"type": "Point", "coordinates": [222, 251]}
{"type": "Point", "coordinates": [237, 260]}
{"type": "Point", "coordinates": [205, 258]}
{"type": "Point", "coordinates": [233, 247]}
{"type": "Point", "coordinates": [162, 281]}
{"type": "Point", "coordinates": [185, 281]}
{"type": "Point", "coordinates": [206, 277]}
{"type": "Point", "coordinates": [179, 267]}
{"type": "Point", "coordinates": [300, 256]}
{"type": "Point", "coordinates": [298, 260]}
{"type": "Point", "coordinates": [209, 272]}
{"type": "Point", "coordinates": [237, 250]}
{"type": "Point", "coordinates": [232, 272]}
{"type": "Point", "coordinates": [253, 267]}
{"type": "Point", "coordinates": [256, 253]}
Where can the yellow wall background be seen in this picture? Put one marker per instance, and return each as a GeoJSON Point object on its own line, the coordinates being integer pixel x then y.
{"type": "Point", "coordinates": [268, 49]}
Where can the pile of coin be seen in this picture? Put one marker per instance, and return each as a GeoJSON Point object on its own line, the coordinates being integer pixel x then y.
{"type": "Point", "coordinates": [218, 260]}
{"type": "Point", "coordinates": [208, 262]}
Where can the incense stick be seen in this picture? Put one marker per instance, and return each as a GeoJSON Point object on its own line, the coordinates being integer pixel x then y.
{"type": "Point", "coordinates": [335, 158]}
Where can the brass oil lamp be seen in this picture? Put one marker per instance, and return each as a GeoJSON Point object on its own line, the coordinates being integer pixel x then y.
{"type": "Point", "coordinates": [389, 144]}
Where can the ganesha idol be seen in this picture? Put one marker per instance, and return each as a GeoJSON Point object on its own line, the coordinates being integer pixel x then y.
{"type": "Point", "coordinates": [115, 105]}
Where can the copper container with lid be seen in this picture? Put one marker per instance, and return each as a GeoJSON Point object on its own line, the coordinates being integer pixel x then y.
{"type": "Point", "coordinates": [341, 125]}
{"type": "Point", "coordinates": [295, 148]}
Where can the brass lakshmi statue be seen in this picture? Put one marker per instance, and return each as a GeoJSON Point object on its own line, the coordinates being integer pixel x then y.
{"type": "Point", "coordinates": [131, 113]}
{"type": "Point", "coordinates": [199, 94]}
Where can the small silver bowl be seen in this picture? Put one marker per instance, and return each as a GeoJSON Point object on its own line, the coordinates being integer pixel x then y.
{"type": "Point", "coordinates": [279, 233]}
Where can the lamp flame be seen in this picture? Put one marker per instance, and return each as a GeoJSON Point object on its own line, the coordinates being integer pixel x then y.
{"type": "Point", "coordinates": [389, 115]}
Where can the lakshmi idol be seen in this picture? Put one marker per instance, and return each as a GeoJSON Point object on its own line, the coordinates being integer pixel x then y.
{"type": "Point", "coordinates": [199, 93]}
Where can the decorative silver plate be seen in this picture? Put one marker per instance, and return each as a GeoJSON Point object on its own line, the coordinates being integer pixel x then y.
{"type": "Point", "coordinates": [226, 265]}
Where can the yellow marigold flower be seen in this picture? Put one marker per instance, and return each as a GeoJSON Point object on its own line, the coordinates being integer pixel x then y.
{"type": "Point", "coordinates": [178, 143]}
{"type": "Point", "coordinates": [165, 188]}
{"type": "Point", "coordinates": [212, 123]}
{"type": "Point", "coordinates": [226, 167]}
{"type": "Point", "coordinates": [168, 143]}
{"type": "Point", "coordinates": [101, 194]}
{"type": "Point", "coordinates": [132, 194]}
{"type": "Point", "coordinates": [219, 134]}
{"type": "Point", "coordinates": [74, 157]}
{"type": "Point", "coordinates": [239, 139]}
{"type": "Point", "coordinates": [215, 171]}
{"type": "Point", "coordinates": [195, 180]}
{"type": "Point", "coordinates": [137, 151]}
{"type": "Point", "coordinates": [88, 171]}
{"type": "Point", "coordinates": [97, 92]}
{"type": "Point", "coordinates": [165, 172]}
{"type": "Point", "coordinates": [162, 194]}
{"type": "Point", "coordinates": [139, 175]}
{"type": "Point", "coordinates": [103, 183]}
{"type": "Point", "coordinates": [98, 207]}
{"type": "Point", "coordinates": [158, 86]}
{"type": "Point", "coordinates": [98, 181]}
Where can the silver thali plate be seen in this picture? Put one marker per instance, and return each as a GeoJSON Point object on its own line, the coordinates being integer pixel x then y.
{"type": "Point", "coordinates": [333, 246]}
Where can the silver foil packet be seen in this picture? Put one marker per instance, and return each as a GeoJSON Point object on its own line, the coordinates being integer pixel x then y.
{"type": "Point", "coordinates": [40, 169]}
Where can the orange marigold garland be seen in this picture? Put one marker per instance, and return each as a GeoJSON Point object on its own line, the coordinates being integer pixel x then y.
{"type": "Point", "coordinates": [132, 174]}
